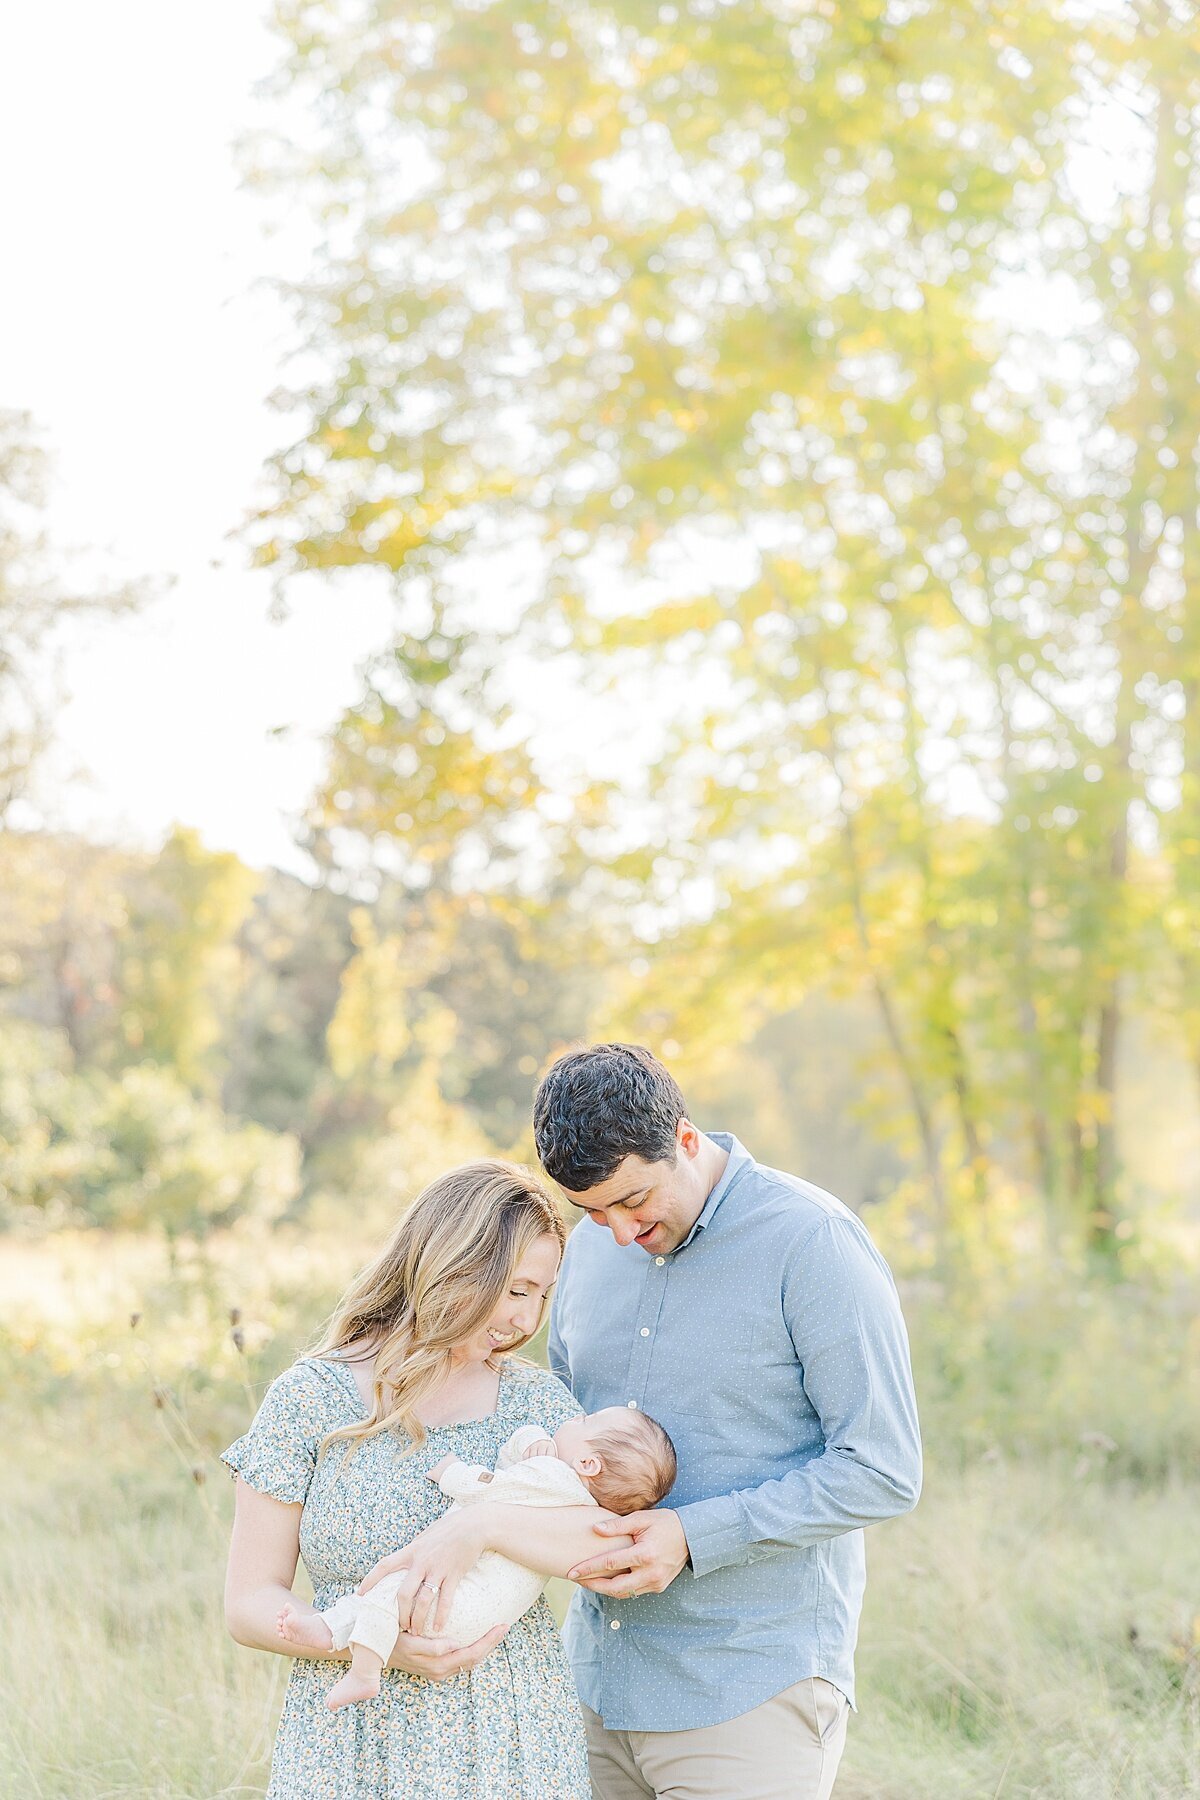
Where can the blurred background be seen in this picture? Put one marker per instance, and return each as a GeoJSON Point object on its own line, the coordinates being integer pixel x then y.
{"type": "Point", "coordinates": [530, 520]}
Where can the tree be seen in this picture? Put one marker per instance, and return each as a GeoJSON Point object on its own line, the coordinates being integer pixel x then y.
{"type": "Point", "coordinates": [726, 323]}
{"type": "Point", "coordinates": [180, 966]}
{"type": "Point", "coordinates": [38, 594]}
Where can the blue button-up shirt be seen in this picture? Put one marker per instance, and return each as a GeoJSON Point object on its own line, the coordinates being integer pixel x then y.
{"type": "Point", "coordinates": [771, 1346]}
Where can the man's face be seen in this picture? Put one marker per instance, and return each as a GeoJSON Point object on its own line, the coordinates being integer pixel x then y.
{"type": "Point", "coordinates": [651, 1204]}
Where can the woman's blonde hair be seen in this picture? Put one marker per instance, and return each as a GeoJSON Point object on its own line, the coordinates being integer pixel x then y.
{"type": "Point", "coordinates": [437, 1281]}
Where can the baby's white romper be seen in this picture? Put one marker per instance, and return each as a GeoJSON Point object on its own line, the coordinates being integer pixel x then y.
{"type": "Point", "coordinates": [496, 1590]}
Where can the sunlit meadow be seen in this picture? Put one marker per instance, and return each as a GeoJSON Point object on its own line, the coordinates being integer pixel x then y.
{"type": "Point", "coordinates": [1033, 1629]}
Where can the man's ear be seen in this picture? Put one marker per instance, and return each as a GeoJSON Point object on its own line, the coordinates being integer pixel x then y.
{"type": "Point", "coordinates": [687, 1137]}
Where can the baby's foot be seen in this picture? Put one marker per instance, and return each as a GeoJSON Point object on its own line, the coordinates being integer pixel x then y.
{"type": "Point", "coordinates": [350, 1688]}
{"type": "Point", "coordinates": [302, 1625]}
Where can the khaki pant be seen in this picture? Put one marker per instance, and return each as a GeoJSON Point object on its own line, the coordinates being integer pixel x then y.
{"type": "Point", "coordinates": [787, 1749]}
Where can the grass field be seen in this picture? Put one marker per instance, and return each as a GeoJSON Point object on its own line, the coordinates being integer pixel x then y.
{"type": "Point", "coordinates": [1033, 1629]}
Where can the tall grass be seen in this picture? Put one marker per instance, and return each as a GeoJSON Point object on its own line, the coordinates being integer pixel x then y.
{"type": "Point", "coordinates": [1033, 1629]}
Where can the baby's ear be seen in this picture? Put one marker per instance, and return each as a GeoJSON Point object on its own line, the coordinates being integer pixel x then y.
{"type": "Point", "coordinates": [590, 1465]}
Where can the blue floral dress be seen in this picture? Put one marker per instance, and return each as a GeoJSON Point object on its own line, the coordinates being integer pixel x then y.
{"type": "Point", "coordinates": [510, 1728]}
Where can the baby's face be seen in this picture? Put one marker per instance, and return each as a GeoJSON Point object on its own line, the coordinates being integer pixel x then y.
{"type": "Point", "coordinates": [573, 1441]}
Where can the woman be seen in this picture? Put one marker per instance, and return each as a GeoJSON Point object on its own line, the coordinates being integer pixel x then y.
{"type": "Point", "coordinates": [416, 1364]}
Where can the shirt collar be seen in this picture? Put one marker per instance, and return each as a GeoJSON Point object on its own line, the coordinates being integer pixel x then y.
{"type": "Point", "coordinates": [740, 1160]}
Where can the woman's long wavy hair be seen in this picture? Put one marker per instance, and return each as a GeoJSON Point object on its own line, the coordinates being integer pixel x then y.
{"type": "Point", "coordinates": [438, 1280]}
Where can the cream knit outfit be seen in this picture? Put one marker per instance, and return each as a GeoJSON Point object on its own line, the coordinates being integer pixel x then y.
{"type": "Point", "coordinates": [496, 1590]}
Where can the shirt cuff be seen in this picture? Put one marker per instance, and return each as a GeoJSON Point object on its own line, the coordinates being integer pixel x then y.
{"type": "Point", "coordinates": [513, 1452]}
{"type": "Point", "coordinates": [716, 1533]}
{"type": "Point", "coordinates": [463, 1481]}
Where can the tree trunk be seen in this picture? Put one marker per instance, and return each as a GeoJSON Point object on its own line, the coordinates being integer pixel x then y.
{"type": "Point", "coordinates": [905, 1061]}
{"type": "Point", "coordinates": [942, 1012]}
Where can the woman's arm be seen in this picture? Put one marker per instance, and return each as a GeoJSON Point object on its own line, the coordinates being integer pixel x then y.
{"type": "Point", "coordinates": [551, 1540]}
{"type": "Point", "coordinates": [263, 1555]}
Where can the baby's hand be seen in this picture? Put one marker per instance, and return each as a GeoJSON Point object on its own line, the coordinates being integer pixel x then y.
{"type": "Point", "coordinates": [439, 1468]}
{"type": "Point", "coordinates": [539, 1447]}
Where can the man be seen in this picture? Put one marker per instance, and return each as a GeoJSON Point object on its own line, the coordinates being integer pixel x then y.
{"type": "Point", "coordinates": [750, 1313]}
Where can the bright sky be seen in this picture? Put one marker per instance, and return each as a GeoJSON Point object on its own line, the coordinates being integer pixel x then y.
{"type": "Point", "coordinates": [131, 328]}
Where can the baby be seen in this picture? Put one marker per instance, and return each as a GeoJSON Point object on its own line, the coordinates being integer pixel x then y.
{"type": "Point", "coordinates": [618, 1458]}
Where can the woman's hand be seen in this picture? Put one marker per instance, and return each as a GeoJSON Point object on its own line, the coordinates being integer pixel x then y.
{"type": "Point", "coordinates": [432, 1566]}
{"type": "Point", "coordinates": [436, 1659]}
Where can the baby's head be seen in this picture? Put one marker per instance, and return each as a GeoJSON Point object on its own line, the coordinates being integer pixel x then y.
{"type": "Point", "coordinates": [624, 1458]}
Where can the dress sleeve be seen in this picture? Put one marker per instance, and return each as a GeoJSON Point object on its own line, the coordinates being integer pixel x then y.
{"type": "Point", "coordinates": [278, 1455]}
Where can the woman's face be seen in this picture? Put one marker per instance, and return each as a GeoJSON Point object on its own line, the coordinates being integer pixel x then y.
{"type": "Point", "coordinates": [519, 1311]}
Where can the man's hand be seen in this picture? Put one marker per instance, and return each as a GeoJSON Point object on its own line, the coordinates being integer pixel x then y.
{"type": "Point", "coordinates": [539, 1447]}
{"type": "Point", "coordinates": [432, 1566]}
{"type": "Point", "coordinates": [658, 1552]}
{"type": "Point", "coordinates": [436, 1659]}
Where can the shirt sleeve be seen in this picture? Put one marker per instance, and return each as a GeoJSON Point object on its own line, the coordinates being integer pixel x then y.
{"type": "Point", "coordinates": [278, 1454]}
{"type": "Point", "coordinates": [465, 1482]}
{"type": "Point", "coordinates": [844, 1318]}
{"type": "Point", "coordinates": [513, 1451]}
{"type": "Point", "coordinates": [545, 1481]}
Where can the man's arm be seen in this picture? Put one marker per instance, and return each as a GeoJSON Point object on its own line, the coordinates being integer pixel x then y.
{"type": "Point", "coordinates": [845, 1322]}
{"type": "Point", "coordinates": [848, 1332]}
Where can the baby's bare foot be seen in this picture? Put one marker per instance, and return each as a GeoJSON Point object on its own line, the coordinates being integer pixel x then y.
{"type": "Point", "coordinates": [302, 1625]}
{"type": "Point", "coordinates": [350, 1688]}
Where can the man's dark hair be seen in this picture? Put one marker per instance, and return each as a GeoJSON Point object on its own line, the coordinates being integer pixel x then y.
{"type": "Point", "coordinates": [597, 1106]}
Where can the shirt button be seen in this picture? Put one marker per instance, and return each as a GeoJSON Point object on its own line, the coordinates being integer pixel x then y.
{"type": "Point", "coordinates": [633, 1404]}
{"type": "Point", "coordinates": [614, 1624]}
{"type": "Point", "coordinates": [660, 1260]}
{"type": "Point", "coordinates": [645, 1331]}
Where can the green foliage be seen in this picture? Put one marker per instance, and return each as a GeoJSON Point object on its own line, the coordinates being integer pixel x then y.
{"type": "Point", "coordinates": [292, 950]}
{"type": "Point", "coordinates": [173, 1161]}
{"type": "Point", "coordinates": [370, 1031]}
{"type": "Point", "coordinates": [179, 959]}
{"type": "Point", "coordinates": [139, 1151]}
{"type": "Point", "coordinates": [47, 1151]}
